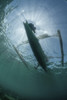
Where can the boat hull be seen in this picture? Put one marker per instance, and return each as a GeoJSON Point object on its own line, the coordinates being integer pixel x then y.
{"type": "Point", "coordinates": [36, 47]}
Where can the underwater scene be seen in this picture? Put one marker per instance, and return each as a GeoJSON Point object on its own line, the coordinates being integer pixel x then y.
{"type": "Point", "coordinates": [33, 49]}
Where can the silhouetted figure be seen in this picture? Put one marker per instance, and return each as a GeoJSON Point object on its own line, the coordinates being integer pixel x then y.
{"type": "Point", "coordinates": [32, 27]}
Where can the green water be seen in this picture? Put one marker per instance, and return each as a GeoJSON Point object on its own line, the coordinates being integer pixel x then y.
{"type": "Point", "coordinates": [18, 81]}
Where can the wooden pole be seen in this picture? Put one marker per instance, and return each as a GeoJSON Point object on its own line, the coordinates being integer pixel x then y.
{"type": "Point", "coordinates": [61, 46]}
{"type": "Point", "coordinates": [43, 36]}
{"type": "Point", "coordinates": [20, 56]}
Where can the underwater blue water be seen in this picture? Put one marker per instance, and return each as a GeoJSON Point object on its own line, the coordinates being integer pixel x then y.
{"type": "Point", "coordinates": [48, 16]}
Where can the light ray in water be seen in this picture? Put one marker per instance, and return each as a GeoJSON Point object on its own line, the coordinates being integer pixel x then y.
{"type": "Point", "coordinates": [38, 17]}
{"type": "Point", "coordinates": [47, 16]}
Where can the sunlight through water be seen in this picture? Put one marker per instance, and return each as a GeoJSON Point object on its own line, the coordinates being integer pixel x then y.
{"type": "Point", "coordinates": [22, 76]}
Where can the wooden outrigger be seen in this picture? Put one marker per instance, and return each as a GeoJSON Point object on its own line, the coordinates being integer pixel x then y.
{"type": "Point", "coordinates": [44, 36]}
{"type": "Point", "coordinates": [61, 46]}
{"type": "Point", "coordinates": [36, 48]}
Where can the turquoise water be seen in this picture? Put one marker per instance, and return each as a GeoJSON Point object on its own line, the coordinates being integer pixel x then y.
{"type": "Point", "coordinates": [48, 17]}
